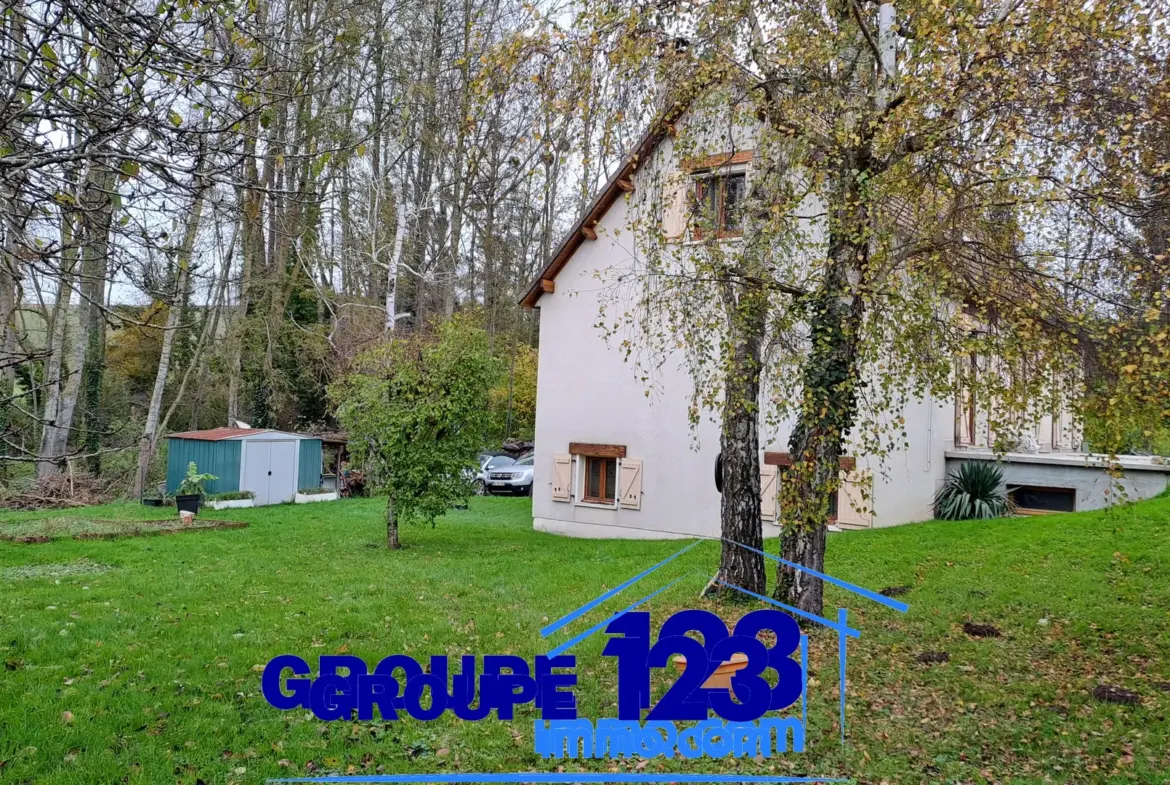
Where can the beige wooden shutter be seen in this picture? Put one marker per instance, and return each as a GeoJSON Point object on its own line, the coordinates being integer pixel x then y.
{"type": "Point", "coordinates": [630, 483]}
{"type": "Point", "coordinates": [768, 491]}
{"type": "Point", "coordinates": [674, 207]}
{"type": "Point", "coordinates": [562, 477]}
{"type": "Point", "coordinates": [855, 498]}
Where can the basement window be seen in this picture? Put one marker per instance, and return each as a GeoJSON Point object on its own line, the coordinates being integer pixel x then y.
{"type": "Point", "coordinates": [1037, 498]}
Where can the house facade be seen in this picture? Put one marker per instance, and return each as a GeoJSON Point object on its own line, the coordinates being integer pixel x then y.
{"type": "Point", "coordinates": [616, 456]}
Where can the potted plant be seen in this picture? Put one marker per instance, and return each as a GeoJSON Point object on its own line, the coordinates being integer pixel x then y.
{"type": "Point", "coordinates": [306, 495]}
{"type": "Point", "coordinates": [191, 490]}
{"type": "Point", "coordinates": [231, 500]}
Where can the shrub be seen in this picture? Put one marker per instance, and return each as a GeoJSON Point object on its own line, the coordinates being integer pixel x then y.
{"type": "Point", "coordinates": [972, 492]}
{"type": "Point", "coordinates": [415, 410]}
{"type": "Point", "coordinates": [192, 484]}
{"type": "Point", "coordinates": [314, 491]}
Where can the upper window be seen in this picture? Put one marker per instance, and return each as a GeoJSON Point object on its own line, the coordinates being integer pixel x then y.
{"type": "Point", "coordinates": [600, 480]}
{"type": "Point", "coordinates": [718, 204]}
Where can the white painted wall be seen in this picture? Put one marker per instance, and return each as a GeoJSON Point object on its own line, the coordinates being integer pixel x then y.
{"type": "Point", "coordinates": [587, 393]}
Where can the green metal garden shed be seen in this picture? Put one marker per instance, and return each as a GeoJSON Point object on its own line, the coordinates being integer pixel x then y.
{"type": "Point", "coordinates": [273, 465]}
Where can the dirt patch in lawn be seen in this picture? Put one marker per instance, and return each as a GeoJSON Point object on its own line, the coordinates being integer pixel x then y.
{"type": "Point", "coordinates": [48, 529]}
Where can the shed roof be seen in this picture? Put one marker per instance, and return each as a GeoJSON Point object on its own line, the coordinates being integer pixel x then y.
{"type": "Point", "coordinates": [217, 434]}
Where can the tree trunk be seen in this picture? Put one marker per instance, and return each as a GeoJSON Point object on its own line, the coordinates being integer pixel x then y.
{"type": "Point", "coordinates": [149, 441]}
{"type": "Point", "coordinates": [93, 234]}
{"type": "Point", "coordinates": [59, 323]}
{"type": "Point", "coordinates": [94, 225]}
{"type": "Point", "coordinates": [831, 380]}
{"type": "Point", "coordinates": [210, 331]}
{"type": "Point", "coordinates": [8, 357]}
{"type": "Point", "coordinates": [95, 270]}
{"type": "Point", "coordinates": [740, 447]}
{"type": "Point", "coordinates": [804, 546]}
{"type": "Point", "coordinates": [395, 255]}
{"type": "Point", "coordinates": [392, 526]}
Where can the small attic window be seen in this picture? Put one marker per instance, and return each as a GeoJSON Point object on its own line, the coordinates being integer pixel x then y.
{"type": "Point", "coordinates": [717, 201]}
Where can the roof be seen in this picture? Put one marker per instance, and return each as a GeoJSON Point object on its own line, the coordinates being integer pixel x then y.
{"type": "Point", "coordinates": [621, 182]}
{"type": "Point", "coordinates": [217, 434]}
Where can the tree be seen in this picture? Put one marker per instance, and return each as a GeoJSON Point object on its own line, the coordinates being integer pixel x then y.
{"type": "Point", "coordinates": [416, 410]}
{"type": "Point", "coordinates": [911, 156]}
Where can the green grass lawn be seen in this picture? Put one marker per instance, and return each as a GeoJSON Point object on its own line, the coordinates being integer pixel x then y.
{"type": "Point", "coordinates": [137, 660]}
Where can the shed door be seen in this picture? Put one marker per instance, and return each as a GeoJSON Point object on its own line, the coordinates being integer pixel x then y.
{"type": "Point", "coordinates": [282, 479]}
{"type": "Point", "coordinates": [257, 457]}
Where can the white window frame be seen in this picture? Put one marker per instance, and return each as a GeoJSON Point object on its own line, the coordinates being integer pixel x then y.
{"type": "Point", "coordinates": [578, 494]}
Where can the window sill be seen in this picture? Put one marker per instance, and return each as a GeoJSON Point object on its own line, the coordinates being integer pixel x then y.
{"type": "Point", "coordinates": [596, 504]}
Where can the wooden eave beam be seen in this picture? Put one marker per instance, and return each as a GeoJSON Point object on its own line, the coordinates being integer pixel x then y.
{"type": "Point", "coordinates": [597, 450]}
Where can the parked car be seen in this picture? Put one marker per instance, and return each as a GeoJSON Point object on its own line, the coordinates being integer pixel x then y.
{"type": "Point", "coordinates": [488, 462]}
{"type": "Point", "coordinates": [511, 478]}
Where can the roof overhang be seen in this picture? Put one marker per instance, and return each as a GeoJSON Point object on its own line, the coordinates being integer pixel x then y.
{"type": "Point", "coordinates": [621, 183]}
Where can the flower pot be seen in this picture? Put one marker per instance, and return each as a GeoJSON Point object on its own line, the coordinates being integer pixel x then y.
{"type": "Point", "coordinates": [152, 502]}
{"type": "Point", "coordinates": [230, 504]}
{"type": "Point", "coordinates": [721, 678]}
{"type": "Point", "coordinates": [188, 502]}
{"type": "Point", "coordinates": [307, 498]}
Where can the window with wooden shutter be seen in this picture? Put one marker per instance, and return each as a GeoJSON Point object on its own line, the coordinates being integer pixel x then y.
{"type": "Point", "coordinates": [768, 491]}
{"type": "Point", "coordinates": [855, 499]}
{"type": "Point", "coordinates": [675, 192]}
{"type": "Point", "coordinates": [630, 483]}
{"type": "Point", "coordinates": [562, 477]}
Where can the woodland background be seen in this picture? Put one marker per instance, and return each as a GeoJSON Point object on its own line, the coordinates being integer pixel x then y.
{"type": "Point", "coordinates": [208, 210]}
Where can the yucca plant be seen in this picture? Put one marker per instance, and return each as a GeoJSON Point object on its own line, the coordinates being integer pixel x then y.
{"type": "Point", "coordinates": [972, 492]}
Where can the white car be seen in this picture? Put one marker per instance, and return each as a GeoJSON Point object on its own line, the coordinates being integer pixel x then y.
{"type": "Point", "coordinates": [488, 462]}
{"type": "Point", "coordinates": [515, 477]}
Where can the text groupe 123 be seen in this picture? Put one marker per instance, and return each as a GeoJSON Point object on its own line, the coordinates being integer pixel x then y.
{"type": "Point", "coordinates": [345, 689]}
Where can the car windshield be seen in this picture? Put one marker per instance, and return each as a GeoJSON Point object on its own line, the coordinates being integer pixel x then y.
{"type": "Point", "coordinates": [526, 461]}
{"type": "Point", "coordinates": [499, 460]}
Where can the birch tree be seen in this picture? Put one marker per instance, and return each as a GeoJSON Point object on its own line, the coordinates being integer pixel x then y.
{"type": "Point", "coordinates": [933, 141]}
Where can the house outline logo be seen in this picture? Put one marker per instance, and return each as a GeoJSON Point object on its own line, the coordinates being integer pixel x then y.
{"type": "Point", "coordinates": [841, 626]}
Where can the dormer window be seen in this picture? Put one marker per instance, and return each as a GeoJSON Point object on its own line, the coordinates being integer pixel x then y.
{"type": "Point", "coordinates": [717, 203]}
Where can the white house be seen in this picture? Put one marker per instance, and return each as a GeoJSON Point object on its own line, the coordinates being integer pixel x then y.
{"type": "Point", "coordinates": [613, 461]}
